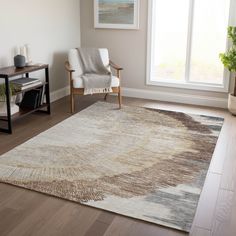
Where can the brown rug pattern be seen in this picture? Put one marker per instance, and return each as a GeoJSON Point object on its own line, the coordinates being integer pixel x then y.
{"type": "Point", "coordinates": [142, 163]}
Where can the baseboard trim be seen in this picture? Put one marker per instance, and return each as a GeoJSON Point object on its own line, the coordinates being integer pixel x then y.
{"type": "Point", "coordinates": [58, 94]}
{"type": "Point", "coordinates": [175, 97]}
{"type": "Point", "coordinates": [158, 95]}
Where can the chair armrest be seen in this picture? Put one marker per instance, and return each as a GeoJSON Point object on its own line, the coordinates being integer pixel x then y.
{"type": "Point", "coordinates": [67, 66]}
{"type": "Point", "coordinates": [115, 66]}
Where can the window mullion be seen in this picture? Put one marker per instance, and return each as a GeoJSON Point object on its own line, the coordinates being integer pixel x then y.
{"type": "Point", "coordinates": [189, 40]}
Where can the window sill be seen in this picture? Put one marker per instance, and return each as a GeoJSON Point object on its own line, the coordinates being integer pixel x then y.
{"type": "Point", "coordinates": [193, 86]}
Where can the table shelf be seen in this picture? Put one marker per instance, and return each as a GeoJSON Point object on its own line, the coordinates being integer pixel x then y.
{"type": "Point", "coordinates": [25, 112]}
{"type": "Point", "coordinates": [6, 73]}
{"type": "Point", "coordinates": [33, 87]}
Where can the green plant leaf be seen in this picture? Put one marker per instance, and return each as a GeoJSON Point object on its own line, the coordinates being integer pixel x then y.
{"type": "Point", "coordinates": [229, 58]}
{"type": "Point", "coordinates": [12, 89]}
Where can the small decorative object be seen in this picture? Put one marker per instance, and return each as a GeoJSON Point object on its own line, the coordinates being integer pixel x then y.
{"type": "Point", "coordinates": [23, 52]}
{"type": "Point", "coordinates": [229, 61]}
{"type": "Point", "coordinates": [23, 56]}
{"type": "Point", "coordinates": [116, 14]}
{"type": "Point", "coordinates": [28, 54]}
{"type": "Point", "coordinates": [3, 106]}
{"type": "Point", "coordinates": [19, 61]}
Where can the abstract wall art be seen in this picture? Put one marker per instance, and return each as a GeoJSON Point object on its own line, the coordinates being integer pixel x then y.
{"type": "Point", "coordinates": [116, 14]}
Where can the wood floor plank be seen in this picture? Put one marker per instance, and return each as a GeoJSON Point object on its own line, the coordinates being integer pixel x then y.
{"type": "Point", "coordinates": [223, 213]}
{"type": "Point", "coordinates": [123, 226]}
{"type": "Point", "coordinates": [120, 226]}
{"type": "Point", "coordinates": [228, 180]}
{"type": "Point", "coordinates": [101, 224]}
{"type": "Point", "coordinates": [196, 231]}
{"type": "Point", "coordinates": [7, 193]}
{"type": "Point", "coordinates": [81, 219]}
{"type": "Point", "coordinates": [22, 199]}
{"type": "Point", "coordinates": [59, 219]}
{"type": "Point", "coordinates": [230, 229]}
{"type": "Point", "coordinates": [35, 221]}
{"type": "Point", "coordinates": [63, 217]}
{"type": "Point", "coordinates": [14, 197]}
{"type": "Point", "coordinates": [6, 216]}
{"type": "Point", "coordinates": [98, 228]}
{"type": "Point", "coordinates": [208, 199]}
{"type": "Point", "coordinates": [19, 210]}
{"type": "Point", "coordinates": [140, 228]}
{"type": "Point", "coordinates": [222, 147]}
{"type": "Point", "coordinates": [106, 217]}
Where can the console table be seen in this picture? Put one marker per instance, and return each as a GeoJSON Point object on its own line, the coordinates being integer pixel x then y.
{"type": "Point", "coordinates": [8, 72]}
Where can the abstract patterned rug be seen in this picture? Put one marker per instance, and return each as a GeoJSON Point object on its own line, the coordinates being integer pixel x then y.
{"type": "Point", "coordinates": [138, 162]}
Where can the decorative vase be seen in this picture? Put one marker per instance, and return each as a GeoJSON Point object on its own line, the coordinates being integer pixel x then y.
{"type": "Point", "coordinates": [232, 104]}
{"type": "Point", "coordinates": [19, 61]}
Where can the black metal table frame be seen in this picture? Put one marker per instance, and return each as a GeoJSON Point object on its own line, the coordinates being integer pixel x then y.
{"type": "Point", "coordinates": [8, 99]}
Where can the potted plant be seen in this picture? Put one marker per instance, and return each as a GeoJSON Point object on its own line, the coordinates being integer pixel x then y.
{"type": "Point", "coordinates": [229, 60]}
{"type": "Point", "coordinates": [3, 105]}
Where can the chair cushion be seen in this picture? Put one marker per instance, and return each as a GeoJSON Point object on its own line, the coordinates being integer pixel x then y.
{"type": "Point", "coordinates": [78, 82]}
{"type": "Point", "coordinates": [76, 65]}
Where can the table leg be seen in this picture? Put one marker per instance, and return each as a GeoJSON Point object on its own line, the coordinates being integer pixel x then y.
{"type": "Point", "coordinates": [8, 102]}
{"type": "Point", "coordinates": [47, 90]}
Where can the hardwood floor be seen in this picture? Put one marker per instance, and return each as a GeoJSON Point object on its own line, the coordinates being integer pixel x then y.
{"type": "Point", "coordinates": [24, 212]}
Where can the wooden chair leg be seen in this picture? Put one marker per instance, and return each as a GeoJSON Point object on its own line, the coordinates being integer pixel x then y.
{"type": "Point", "coordinates": [105, 98]}
{"type": "Point", "coordinates": [72, 103]}
{"type": "Point", "coordinates": [120, 98]}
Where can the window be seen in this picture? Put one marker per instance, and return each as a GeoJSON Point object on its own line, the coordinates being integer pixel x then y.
{"type": "Point", "coordinates": [185, 39]}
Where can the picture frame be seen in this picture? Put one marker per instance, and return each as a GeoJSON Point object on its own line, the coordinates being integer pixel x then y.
{"type": "Point", "coordinates": [116, 14]}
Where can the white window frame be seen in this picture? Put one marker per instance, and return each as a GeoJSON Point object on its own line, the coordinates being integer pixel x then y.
{"type": "Point", "coordinates": [185, 84]}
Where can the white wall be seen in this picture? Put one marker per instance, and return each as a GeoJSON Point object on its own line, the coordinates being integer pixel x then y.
{"type": "Point", "coordinates": [129, 49]}
{"type": "Point", "coordinates": [51, 27]}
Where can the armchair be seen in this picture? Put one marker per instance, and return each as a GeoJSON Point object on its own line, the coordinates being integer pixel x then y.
{"type": "Point", "coordinates": [74, 70]}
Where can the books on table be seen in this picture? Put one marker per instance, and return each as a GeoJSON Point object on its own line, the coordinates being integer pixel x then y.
{"type": "Point", "coordinates": [33, 98]}
{"type": "Point", "coordinates": [25, 83]}
{"type": "Point", "coordinates": [30, 99]}
{"type": "Point", "coordinates": [32, 92]}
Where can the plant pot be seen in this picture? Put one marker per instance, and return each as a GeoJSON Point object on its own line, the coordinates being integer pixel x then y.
{"type": "Point", "coordinates": [232, 104]}
{"type": "Point", "coordinates": [3, 107]}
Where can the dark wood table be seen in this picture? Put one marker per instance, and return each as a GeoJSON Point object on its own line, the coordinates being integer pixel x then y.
{"type": "Point", "coordinates": [8, 72]}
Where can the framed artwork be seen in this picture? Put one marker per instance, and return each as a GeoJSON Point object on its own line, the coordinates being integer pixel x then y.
{"type": "Point", "coordinates": [116, 14]}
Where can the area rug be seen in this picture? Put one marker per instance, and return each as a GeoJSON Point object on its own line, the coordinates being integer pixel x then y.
{"type": "Point", "coordinates": [142, 163]}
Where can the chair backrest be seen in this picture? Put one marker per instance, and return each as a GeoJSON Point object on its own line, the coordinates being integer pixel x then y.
{"type": "Point", "coordinates": [75, 61]}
